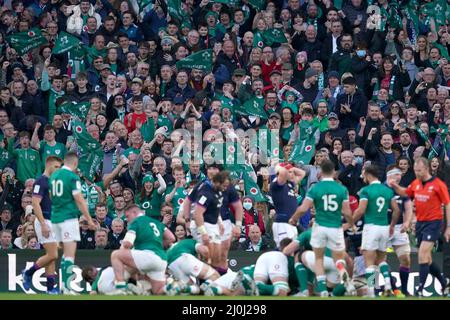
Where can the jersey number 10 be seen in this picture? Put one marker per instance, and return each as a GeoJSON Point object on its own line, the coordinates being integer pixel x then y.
{"type": "Point", "coordinates": [57, 188]}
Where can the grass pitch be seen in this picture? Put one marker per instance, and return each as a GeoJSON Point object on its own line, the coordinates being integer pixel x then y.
{"type": "Point", "coordinates": [23, 296]}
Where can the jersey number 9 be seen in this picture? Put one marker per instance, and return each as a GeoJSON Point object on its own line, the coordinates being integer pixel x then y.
{"type": "Point", "coordinates": [380, 204]}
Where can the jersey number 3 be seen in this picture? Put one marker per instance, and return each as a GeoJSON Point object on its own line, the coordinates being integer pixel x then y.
{"type": "Point", "coordinates": [329, 203]}
{"type": "Point", "coordinates": [155, 229]}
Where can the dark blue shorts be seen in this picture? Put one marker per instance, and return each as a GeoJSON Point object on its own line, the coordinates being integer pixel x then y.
{"type": "Point", "coordinates": [428, 231]}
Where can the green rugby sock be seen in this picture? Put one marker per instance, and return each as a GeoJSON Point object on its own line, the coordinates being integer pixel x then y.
{"type": "Point", "coordinates": [339, 290]}
{"type": "Point", "coordinates": [384, 269]}
{"type": "Point", "coordinates": [68, 272]}
{"type": "Point", "coordinates": [321, 283]}
{"type": "Point", "coordinates": [265, 289]}
{"type": "Point", "coordinates": [302, 276]}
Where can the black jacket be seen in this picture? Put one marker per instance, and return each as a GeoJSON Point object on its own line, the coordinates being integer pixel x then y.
{"type": "Point", "coordinates": [87, 240]}
{"type": "Point", "coordinates": [115, 241]}
{"type": "Point", "coordinates": [358, 106]}
{"type": "Point", "coordinates": [350, 177]}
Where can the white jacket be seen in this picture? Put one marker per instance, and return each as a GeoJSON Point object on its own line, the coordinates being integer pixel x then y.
{"type": "Point", "coordinates": [75, 21]}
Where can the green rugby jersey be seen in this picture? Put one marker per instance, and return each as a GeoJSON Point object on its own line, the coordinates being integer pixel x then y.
{"type": "Point", "coordinates": [328, 196]}
{"type": "Point", "coordinates": [63, 184]}
{"type": "Point", "coordinates": [181, 247]}
{"type": "Point", "coordinates": [151, 205]}
{"type": "Point", "coordinates": [177, 199]}
{"type": "Point", "coordinates": [378, 198]}
{"type": "Point", "coordinates": [46, 150]}
{"type": "Point", "coordinates": [149, 235]}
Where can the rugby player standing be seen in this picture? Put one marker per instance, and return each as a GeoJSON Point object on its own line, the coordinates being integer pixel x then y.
{"type": "Point", "coordinates": [67, 204]}
{"type": "Point", "coordinates": [374, 201]}
{"type": "Point", "coordinates": [42, 207]}
{"type": "Point", "coordinates": [282, 191]}
{"type": "Point", "coordinates": [330, 200]}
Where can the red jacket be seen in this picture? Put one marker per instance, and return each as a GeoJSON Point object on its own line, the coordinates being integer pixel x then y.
{"type": "Point", "coordinates": [130, 120]}
{"type": "Point", "coordinates": [249, 219]}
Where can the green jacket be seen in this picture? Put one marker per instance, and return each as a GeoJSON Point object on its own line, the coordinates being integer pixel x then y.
{"type": "Point", "coordinates": [28, 162]}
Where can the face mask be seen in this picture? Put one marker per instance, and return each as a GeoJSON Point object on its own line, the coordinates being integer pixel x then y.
{"type": "Point", "coordinates": [359, 159]}
{"type": "Point", "coordinates": [247, 205]}
{"type": "Point", "coordinates": [361, 53]}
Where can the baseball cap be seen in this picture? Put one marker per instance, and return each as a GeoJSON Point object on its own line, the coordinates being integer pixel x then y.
{"type": "Point", "coordinates": [275, 72]}
{"type": "Point", "coordinates": [105, 66]}
{"type": "Point", "coordinates": [167, 40]}
{"type": "Point", "coordinates": [239, 72]}
{"type": "Point", "coordinates": [333, 74]}
{"type": "Point", "coordinates": [275, 115]}
{"type": "Point", "coordinates": [311, 73]}
{"type": "Point", "coordinates": [332, 115]}
{"type": "Point", "coordinates": [178, 100]}
{"type": "Point", "coordinates": [137, 80]}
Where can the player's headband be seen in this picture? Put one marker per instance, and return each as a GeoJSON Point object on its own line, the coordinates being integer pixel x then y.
{"type": "Point", "coordinates": [393, 171]}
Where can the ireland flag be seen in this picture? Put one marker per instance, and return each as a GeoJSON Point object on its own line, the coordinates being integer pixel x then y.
{"type": "Point", "coordinates": [252, 107]}
{"type": "Point", "coordinates": [201, 60]}
{"type": "Point", "coordinates": [272, 36]}
{"type": "Point", "coordinates": [258, 40]}
{"type": "Point", "coordinates": [258, 5]}
{"type": "Point", "coordinates": [78, 110]}
{"type": "Point", "coordinates": [148, 130]}
{"type": "Point", "coordinates": [304, 148]}
{"type": "Point", "coordinates": [23, 42]}
{"type": "Point", "coordinates": [65, 42]}
{"type": "Point", "coordinates": [252, 189]}
{"type": "Point", "coordinates": [90, 151]}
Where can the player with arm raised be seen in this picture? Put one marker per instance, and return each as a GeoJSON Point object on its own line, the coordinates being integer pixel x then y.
{"type": "Point", "coordinates": [42, 208]}
{"type": "Point", "coordinates": [282, 191]}
{"type": "Point", "coordinates": [374, 201]}
{"type": "Point", "coordinates": [330, 200]}
{"type": "Point", "coordinates": [400, 240]}
{"type": "Point", "coordinates": [142, 251]}
{"type": "Point", "coordinates": [67, 204]}
{"type": "Point", "coordinates": [429, 194]}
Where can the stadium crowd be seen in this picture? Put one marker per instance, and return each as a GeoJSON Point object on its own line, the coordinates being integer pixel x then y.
{"type": "Point", "coordinates": [367, 83]}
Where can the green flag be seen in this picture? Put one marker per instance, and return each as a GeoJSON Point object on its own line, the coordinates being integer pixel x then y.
{"type": "Point", "coordinates": [252, 107]}
{"type": "Point", "coordinates": [272, 36]}
{"type": "Point", "coordinates": [230, 3]}
{"type": "Point", "coordinates": [423, 135]}
{"type": "Point", "coordinates": [304, 147]}
{"type": "Point", "coordinates": [201, 60]}
{"type": "Point", "coordinates": [175, 9]}
{"type": "Point", "coordinates": [23, 42]}
{"type": "Point", "coordinates": [90, 150]}
{"type": "Point", "coordinates": [148, 130]}
{"type": "Point", "coordinates": [65, 42]}
{"type": "Point", "coordinates": [252, 189]}
{"type": "Point", "coordinates": [79, 110]}
{"type": "Point", "coordinates": [258, 5]}
{"type": "Point", "coordinates": [258, 40]}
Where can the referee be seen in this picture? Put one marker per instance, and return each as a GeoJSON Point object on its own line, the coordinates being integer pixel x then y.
{"type": "Point", "coordinates": [429, 194]}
